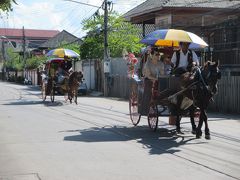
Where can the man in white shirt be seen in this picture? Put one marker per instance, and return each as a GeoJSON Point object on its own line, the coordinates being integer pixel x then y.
{"type": "Point", "coordinates": [182, 61]}
{"type": "Point", "coordinates": [184, 58]}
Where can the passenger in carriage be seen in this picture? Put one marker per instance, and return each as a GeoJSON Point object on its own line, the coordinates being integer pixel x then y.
{"type": "Point", "coordinates": [52, 70]}
{"type": "Point", "coordinates": [61, 75]}
{"type": "Point", "coordinates": [154, 67]}
{"type": "Point", "coordinates": [166, 58]}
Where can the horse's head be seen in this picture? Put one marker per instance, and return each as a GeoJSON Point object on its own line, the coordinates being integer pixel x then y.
{"type": "Point", "coordinates": [211, 75]}
{"type": "Point", "coordinates": [79, 76]}
{"type": "Point", "coordinates": [76, 77]}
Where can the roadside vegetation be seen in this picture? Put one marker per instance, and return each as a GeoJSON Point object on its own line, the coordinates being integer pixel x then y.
{"type": "Point", "coordinates": [121, 36]}
{"type": "Point", "coordinates": [6, 5]}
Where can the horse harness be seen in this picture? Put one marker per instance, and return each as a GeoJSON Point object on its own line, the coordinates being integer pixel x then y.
{"type": "Point", "coordinates": [203, 83]}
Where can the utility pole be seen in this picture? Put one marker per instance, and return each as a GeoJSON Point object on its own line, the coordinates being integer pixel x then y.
{"type": "Point", "coordinates": [106, 55]}
{"type": "Point", "coordinates": [24, 52]}
{"type": "Point", "coordinates": [4, 59]}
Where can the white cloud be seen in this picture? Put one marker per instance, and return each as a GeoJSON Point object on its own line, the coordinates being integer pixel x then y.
{"type": "Point", "coordinates": [58, 14]}
{"type": "Point", "coordinates": [39, 15]}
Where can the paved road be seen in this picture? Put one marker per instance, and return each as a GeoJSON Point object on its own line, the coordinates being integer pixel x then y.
{"type": "Point", "coordinates": [95, 140]}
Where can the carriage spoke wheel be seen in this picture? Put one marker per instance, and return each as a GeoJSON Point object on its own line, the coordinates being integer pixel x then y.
{"type": "Point", "coordinates": [133, 108]}
{"type": "Point", "coordinates": [153, 117]}
{"type": "Point", "coordinates": [44, 91]}
{"type": "Point", "coordinates": [52, 92]}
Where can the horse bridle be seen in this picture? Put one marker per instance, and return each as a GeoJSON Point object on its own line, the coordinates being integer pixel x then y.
{"type": "Point", "coordinates": [204, 80]}
{"type": "Point", "coordinates": [199, 71]}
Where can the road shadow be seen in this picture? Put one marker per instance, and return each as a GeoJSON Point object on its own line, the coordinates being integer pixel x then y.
{"type": "Point", "coordinates": [24, 103]}
{"type": "Point", "coordinates": [52, 104]}
{"type": "Point", "coordinates": [32, 88]}
{"type": "Point", "coordinates": [160, 142]}
{"type": "Point", "coordinates": [29, 102]}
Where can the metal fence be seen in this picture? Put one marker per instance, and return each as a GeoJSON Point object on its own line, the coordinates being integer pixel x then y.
{"type": "Point", "coordinates": [119, 86]}
{"type": "Point", "coordinates": [228, 97]}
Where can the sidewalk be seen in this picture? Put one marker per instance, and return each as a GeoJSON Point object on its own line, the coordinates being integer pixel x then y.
{"type": "Point", "coordinates": [95, 93]}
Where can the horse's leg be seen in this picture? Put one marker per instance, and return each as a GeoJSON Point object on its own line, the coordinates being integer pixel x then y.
{"type": "Point", "coordinates": [207, 132]}
{"type": "Point", "coordinates": [178, 111]}
{"type": "Point", "coordinates": [70, 95]}
{"type": "Point", "coordinates": [75, 94]}
{"type": "Point", "coordinates": [201, 119]}
{"type": "Point", "coordinates": [66, 93]}
{"type": "Point", "coordinates": [178, 128]}
{"type": "Point", "coordinates": [191, 114]}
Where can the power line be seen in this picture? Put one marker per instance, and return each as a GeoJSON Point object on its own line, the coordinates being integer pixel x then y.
{"type": "Point", "coordinates": [81, 3]}
{"type": "Point", "coordinates": [93, 15]}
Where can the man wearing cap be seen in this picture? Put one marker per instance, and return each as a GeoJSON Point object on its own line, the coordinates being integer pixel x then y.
{"type": "Point", "coordinates": [184, 59]}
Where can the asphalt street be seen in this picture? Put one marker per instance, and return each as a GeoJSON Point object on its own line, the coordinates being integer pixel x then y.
{"type": "Point", "coordinates": [96, 140]}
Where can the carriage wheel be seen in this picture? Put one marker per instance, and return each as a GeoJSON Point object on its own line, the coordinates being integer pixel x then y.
{"type": "Point", "coordinates": [133, 108]}
{"type": "Point", "coordinates": [52, 92]}
{"type": "Point", "coordinates": [44, 91]}
{"type": "Point", "coordinates": [153, 117]}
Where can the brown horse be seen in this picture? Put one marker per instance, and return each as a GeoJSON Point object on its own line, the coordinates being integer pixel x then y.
{"type": "Point", "coordinates": [201, 88]}
{"type": "Point", "coordinates": [74, 81]}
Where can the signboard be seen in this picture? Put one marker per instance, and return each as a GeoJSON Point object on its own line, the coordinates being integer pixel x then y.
{"type": "Point", "coordinates": [106, 67]}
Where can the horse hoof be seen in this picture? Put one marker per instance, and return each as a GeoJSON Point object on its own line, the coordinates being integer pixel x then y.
{"type": "Point", "coordinates": [198, 136]}
{"type": "Point", "coordinates": [179, 132]}
{"type": "Point", "coordinates": [207, 136]}
{"type": "Point", "coordinates": [193, 131]}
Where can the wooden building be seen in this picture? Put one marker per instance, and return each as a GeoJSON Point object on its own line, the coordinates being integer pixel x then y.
{"type": "Point", "coordinates": [217, 22]}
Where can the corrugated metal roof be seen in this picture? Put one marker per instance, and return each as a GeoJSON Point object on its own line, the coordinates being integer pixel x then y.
{"type": "Point", "coordinates": [153, 5]}
{"type": "Point", "coordinates": [34, 33]}
{"type": "Point", "coordinates": [61, 37]}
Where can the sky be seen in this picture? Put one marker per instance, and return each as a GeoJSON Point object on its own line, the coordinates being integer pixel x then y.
{"type": "Point", "coordinates": [57, 14]}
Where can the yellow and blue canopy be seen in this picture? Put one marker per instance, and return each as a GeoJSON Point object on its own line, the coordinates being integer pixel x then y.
{"type": "Point", "coordinates": [172, 38]}
{"type": "Point", "coordinates": [61, 52]}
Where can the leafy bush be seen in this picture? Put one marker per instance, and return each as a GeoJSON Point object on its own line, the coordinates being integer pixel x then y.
{"type": "Point", "coordinates": [121, 35]}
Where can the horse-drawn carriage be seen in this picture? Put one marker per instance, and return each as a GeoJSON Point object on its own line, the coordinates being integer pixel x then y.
{"type": "Point", "coordinates": [161, 97]}
{"type": "Point", "coordinates": [58, 77]}
{"type": "Point", "coordinates": [187, 94]}
{"type": "Point", "coordinates": [154, 99]}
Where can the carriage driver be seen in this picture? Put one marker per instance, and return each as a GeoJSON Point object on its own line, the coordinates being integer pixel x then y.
{"type": "Point", "coordinates": [184, 59]}
{"type": "Point", "coordinates": [62, 72]}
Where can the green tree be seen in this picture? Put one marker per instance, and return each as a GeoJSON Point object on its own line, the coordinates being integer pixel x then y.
{"type": "Point", "coordinates": [35, 61]}
{"type": "Point", "coordinates": [6, 5]}
{"type": "Point", "coordinates": [14, 60]}
{"type": "Point", "coordinates": [121, 34]}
